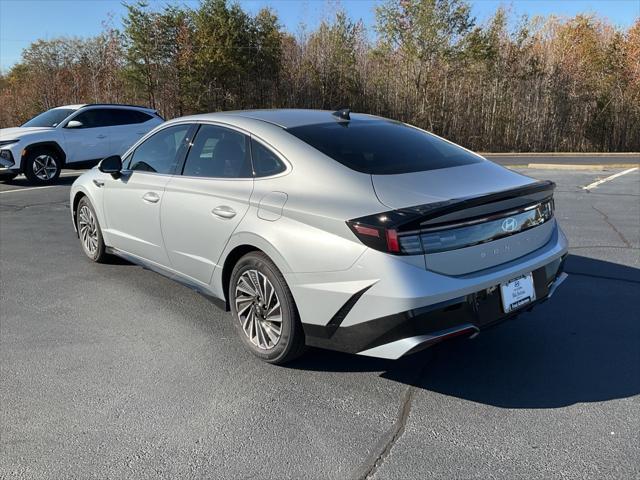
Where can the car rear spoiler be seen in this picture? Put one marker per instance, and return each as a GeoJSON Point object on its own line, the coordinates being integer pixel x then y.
{"type": "Point", "coordinates": [467, 208]}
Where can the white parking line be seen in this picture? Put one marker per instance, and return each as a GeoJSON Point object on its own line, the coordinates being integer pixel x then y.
{"type": "Point", "coordinates": [75, 173]}
{"type": "Point", "coordinates": [14, 190]}
{"type": "Point", "coordinates": [616, 175]}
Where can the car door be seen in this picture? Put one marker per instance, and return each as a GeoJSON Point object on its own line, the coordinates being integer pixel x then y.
{"type": "Point", "coordinates": [129, 126]}
{"type": "Point", "coordinates": [205, 203]}
{"type": "Point", "coordinates": [90, 140]}
{"type": "Point", "coordinates": [132, 202]}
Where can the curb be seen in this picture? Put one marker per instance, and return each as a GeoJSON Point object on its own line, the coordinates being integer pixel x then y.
{"type": "Point", "coordinates": [562, 154]}
{"type": "Point", "coordinates": [567, 166]}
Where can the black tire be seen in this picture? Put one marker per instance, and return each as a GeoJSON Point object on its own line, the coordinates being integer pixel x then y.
{"type": "Point", "coordinates": [42, 166]}
{"type": "Point", "coordinates": [290, 344]}
{"type": "Point", "coordinates": [97, 252]}
{"type": "Point", "coordinates": [7, 177]}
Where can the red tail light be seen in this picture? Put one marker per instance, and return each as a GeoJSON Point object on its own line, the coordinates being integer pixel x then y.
{"type": "Point", "coordinates": [392, 241]}
{"type": "Point", "coordinates": [380, 238]}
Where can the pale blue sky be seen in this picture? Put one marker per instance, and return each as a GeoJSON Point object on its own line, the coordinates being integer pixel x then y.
{"type": "Point", "coordinates": [23, 21]}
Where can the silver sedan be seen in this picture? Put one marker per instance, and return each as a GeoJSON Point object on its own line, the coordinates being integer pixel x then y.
{"type": "Point", "coordinates": [329, 229]}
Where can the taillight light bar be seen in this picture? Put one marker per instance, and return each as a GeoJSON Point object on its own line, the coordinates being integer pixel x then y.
{"type": "Point", "coordinates": [385, 232]}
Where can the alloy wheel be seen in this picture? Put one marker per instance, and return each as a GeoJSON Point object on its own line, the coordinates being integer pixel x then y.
{"type": "Point", "coordinates": [258, 308]}
{"type": "Point", "coordinates": [45, 167]}
{"type": "Point", "coordinates": [88, 230]}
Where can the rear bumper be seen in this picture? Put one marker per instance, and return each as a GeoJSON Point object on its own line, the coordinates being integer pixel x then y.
{"type": "Point", "coordinates": [468, 317]}
{"type": "Point", "coordinates": [425, 321]}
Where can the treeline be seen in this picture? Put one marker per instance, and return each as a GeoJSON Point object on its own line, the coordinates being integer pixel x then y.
{"type": "Point", "coordinates": [541, 84]}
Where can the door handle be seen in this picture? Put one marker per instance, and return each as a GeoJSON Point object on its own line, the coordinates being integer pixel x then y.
{"type": "Point", "coordinates": [101, 136]}
{"type": "Point", "coordinates": [224, 211]}
{"type": "Point", "coordinates": [151, 197]}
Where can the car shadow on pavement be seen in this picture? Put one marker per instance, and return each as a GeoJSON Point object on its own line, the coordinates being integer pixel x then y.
{"type": "Point", "coordinates": [581, 346]}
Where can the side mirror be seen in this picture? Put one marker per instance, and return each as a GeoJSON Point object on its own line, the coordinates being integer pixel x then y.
{"type": "Point", "coordinates": [74, 124]}
{"type": "Point", "coordinates": [112, 165]}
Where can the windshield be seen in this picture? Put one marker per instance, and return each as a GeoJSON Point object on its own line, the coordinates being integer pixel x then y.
{"type": "Point", "coordinates": [50, 118]}
{"type": "Point", "coordinates": [383, 147]}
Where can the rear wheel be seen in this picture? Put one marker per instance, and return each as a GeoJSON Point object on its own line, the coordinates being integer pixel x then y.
{"type": "Point", "coordinates": [42, 166]}
{"type": "Point", "coordinates": [89, 231]}
{"type": "Point", "coordinates": [265, 314]}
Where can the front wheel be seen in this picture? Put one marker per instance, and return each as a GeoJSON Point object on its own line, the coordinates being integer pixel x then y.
{"type": "Point", "coordinates": [89, 231]}
{"type": "Point", "coordinates": [42, 166]}
{"type": "Point", "coordinates": [264, 312]}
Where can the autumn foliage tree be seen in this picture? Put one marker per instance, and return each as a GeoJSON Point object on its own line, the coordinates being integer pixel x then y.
{"type": "Point", "coordinates": [527, 84]}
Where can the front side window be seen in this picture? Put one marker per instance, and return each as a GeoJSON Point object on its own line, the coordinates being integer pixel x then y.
{"type": "Point", "coordinates": [265, 162]}
{"type": "Point", "coordinates": [383, 147]}
{"type": "Point", "coordinates": [50, 118]}
{"type": "Point", "coordinates": [218, 152]}
{"type": "Point", "coordinates": [94, 118]}
{"type": "Point", "coordinates": [161, 152]}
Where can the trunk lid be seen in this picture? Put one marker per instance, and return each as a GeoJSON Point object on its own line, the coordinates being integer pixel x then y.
{"type": "Point", "coordinates": [471, 217]}
{"type": "Point", "coordinates": [444, 184]}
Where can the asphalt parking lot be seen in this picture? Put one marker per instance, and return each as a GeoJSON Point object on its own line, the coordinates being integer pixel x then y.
{"type": "Point", "coordinates": [112, 371]}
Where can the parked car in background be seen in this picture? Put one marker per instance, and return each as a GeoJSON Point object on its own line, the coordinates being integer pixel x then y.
{"type": "Point", "coordinates": [74, 136]}
{"type": "Point", "coordinates": [337, 230]}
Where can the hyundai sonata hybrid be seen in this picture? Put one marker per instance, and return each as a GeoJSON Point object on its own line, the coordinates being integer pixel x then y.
{"type": "Point", "coordinates": [329, 229]}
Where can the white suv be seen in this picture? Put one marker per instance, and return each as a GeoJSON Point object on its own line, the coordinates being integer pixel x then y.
{"type": "Point", "coordinates": [74, 136]}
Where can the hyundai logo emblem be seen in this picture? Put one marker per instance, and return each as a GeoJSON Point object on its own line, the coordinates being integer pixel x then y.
{"type": "Point", "coordinates": [509, 224]}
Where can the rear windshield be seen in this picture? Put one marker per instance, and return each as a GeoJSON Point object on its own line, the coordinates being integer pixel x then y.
{"type": "Point", "coordinates": [383, 147]}
{"type": "Point", "coordinates": [50, 118]}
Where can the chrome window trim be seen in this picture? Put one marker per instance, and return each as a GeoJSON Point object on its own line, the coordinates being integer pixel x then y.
{"type": "Point", "coordinates": [150, 134]}
{"type": "Point", "coordinates": [228, 127]}
{"type": "Point", "coordinates": [287, 165]}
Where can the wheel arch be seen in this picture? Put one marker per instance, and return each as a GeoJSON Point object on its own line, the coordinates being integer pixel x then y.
{"type": "Point", "coordinates": [74, 207]}
{"type": "Point", "coordinates": [239, 246]}
{"type": "Point", "coordinates": [229, 262]}
{"type": "Point", "coordinates": [50, 145]}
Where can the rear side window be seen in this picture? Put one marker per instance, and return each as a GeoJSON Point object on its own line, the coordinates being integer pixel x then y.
{"type": "Point", "coordinates": [161, 152]}
{"type": "Point", "coordinates": [265, 162]}
{"type": "Point", "coordinates": [121, 116]}
{"type": "Point", "coordinates": [383, 147]}
{"type": "Point", "coordinates": [218, 152]}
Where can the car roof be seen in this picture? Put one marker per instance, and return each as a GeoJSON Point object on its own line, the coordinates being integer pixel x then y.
{"type": "Point", "coordinates": [70, 107]}
{"type": "Point", "coordinates": [283, 117]}
{"type": "Point", "coordinates": [83, 105]}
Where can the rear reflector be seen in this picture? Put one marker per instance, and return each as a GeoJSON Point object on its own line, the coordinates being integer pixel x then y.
{"type": "Point", "coordinates": [362, 230]}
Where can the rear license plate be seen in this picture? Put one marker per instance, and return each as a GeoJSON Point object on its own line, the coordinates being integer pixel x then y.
{"type": "Point", "coordinates": [517, 292]}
